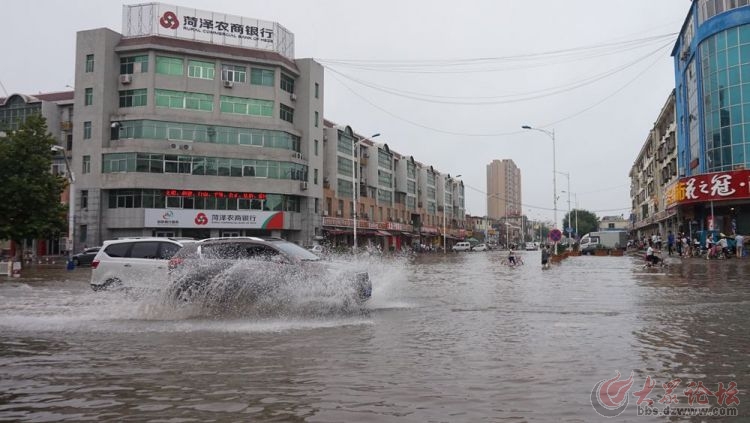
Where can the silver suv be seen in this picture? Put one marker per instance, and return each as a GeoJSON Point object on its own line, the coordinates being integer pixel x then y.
{"type": "Point", "coordinates": [252, 267]}
{"type": "Point", "coordinates": [133, 262]}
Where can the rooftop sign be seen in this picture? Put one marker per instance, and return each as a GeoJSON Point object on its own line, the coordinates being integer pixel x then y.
{"type": "Point", "coordinates": [146, 19]}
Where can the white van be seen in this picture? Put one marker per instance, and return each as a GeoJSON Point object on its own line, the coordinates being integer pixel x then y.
{"type": "Point", "coordinates": [133, 263]}
{"type": "Point", "coordinates": [461, 246]}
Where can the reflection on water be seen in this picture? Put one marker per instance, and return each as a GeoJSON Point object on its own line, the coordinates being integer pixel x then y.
{"type": "Point", "coordinates": [456, 337]}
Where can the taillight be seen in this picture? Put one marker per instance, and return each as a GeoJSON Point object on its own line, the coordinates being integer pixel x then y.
{"type": "Point", "coordinates": [174, 262]}
{"type": "Point", "coordinates": [95, 264]}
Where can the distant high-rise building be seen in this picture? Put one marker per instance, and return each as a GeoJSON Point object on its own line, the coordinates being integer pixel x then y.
{"type": "Point", "coordinates": [503, 189]}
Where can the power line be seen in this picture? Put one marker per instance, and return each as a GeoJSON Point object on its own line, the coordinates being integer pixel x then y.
{"type": "Point", "coordinates": [488, 100]}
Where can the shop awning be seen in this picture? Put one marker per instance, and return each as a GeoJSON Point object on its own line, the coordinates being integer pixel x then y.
{"type": "Point", "coordinates": [337, 231]}
{"type": "Point", "coordinates": [383, 233]}
{"type": "Point", "coordinates": [408, 234]}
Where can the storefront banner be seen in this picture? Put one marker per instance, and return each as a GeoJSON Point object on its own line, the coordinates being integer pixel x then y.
{"type": "Point", "coordinates": [182, 218]}
{"type": "Point", "coordinates": [716, 186]}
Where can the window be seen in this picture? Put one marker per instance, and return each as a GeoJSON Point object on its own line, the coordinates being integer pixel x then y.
{"type": "Point", "coordinates": [86, 164]}
{"type": "Point", "coordinates": [89, 63]}
{"type": "Point", "coordinates": [261, 77]}
{"type": "Point", "coordinates": [169, 65]}
{"type": "Point", "coordinates": [287, 83]}
{"type": "Point", "coordinates": [145, 250]}
{"type": "Point", "coordinates": [88, 97]}
{"type": "Point", "coordinates": [133, 98]}
{"type": "Point", "coordinates": [316, 147]}
{"type": "Point", "coordinates": [233, 73]}
{"type": "Point", "coordinates": [86, 130]}
{"type": "Point", "coordinates": [184, 100]}
{"type": "Point", "coordinates": [246, 106]}
{"type": "Point", "coordinates": [317, 88]}
{"type": "Point", "coordinates": [133, 64]}
{"type": "Point", "coordinates": [201, 70]}
{"type": "Point", "coordinates": [286, 113]}
{"type": "Point", "coordinates": [84, 199]}
{"type": "Point", "coordinates": [315, 177]}
{"type": "Point", "coordinates": [83, 233]}
{"type": "Point", "coordinates": [316, 119]}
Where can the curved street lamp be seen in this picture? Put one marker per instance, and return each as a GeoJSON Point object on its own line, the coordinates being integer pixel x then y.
{"type": "Point", "coordinates": [445, 235]}
{"type": "Point", "coordinates": [355, 188]}
{"type": "Point", "coordinates": [71, 202]}
{"type": "Point", "coordinates": [550, 134]}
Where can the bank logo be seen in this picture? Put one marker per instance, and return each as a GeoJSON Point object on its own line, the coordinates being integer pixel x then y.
{"type": "Point", "coordinates": [610, 396]}
{"type": "Point", "coordinates": [169, 20]}
{"type": "Point", "coordinates": [201, 219]}
{"type": "Point", "coordinates": [168, 215]}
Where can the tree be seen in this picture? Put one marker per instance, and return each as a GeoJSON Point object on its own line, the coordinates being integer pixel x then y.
{"type": "Point", "coordinates": [29, 193]}
{"type": "Point", "coordinates": [587, 222]}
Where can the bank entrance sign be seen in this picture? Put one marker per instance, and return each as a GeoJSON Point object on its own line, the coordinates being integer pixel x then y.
{"type": "Point", "coordinates": [224, 219]}
{"type": "Point", "coordinates": [146, 19]}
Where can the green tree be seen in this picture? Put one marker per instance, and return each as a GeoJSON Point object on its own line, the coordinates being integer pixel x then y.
{"type": "Point", "coordinates": [29, 193]}
{"type": "Point", "coordinates": [587, 222]}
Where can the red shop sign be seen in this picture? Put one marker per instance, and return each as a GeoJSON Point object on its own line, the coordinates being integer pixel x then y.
{"type": "Point", "coordinates": [712, 187]}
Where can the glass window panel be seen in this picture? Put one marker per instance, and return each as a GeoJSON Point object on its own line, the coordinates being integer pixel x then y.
{"type": "Point", "coordinates": [745, 72]}
{"type": "Point", "coordinates": [734, 76]}
{"type": "Point", "coordinates": [732, 37]}
{"type": "Point", "coordinates": [744, 34]}
{"type": "Point", "coordinates": [721, 60]}
{"type": "Point", "coordinates": [736, 115]}
{"type": "Point", "coordinates": [733, 56]}
{"type": "Point", "coordinates": [735, 95]}
{"type": "Point", "coordinates": [736, 134]}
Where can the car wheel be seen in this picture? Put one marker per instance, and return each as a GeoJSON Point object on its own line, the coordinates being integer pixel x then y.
{"type": "Point", "coordinates": [76, 262]}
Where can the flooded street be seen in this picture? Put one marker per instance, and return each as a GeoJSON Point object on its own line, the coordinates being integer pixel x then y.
{"type": "Point", "coordinates": [456, 338]}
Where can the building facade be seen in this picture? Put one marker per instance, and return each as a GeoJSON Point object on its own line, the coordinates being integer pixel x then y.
{"type": "Point", "coordinates": [399, 201]}
{"type": "Point", "coordinates": [57, 110]}
{"type": "Point", "coordinates": [503, 189]}
{"type": "Point", "coordinates": [195, 137]}
{"type": "Point", "coordinates": [712, 75]}
{"type": "Point", "coordinates": [652, 175]}
{"type": "Point", "coordinates": [195, 124]}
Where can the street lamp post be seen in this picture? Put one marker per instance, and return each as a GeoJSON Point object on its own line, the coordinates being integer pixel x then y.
{"type": "Point", "coordinates": [445, 210]}
{"type": "Point", "coordinates": [355, 188]}
{"type": "Point", "coordinates": [71, 203]}
{"type": "Point", "coordinates": [567, 175]}
{"type": "Point", "coordinates": [550, 134]}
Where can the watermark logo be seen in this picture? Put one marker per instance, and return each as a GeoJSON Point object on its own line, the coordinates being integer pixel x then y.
{"type": "Point", "coordinates": [610, 396]}
{"type": "Point", "coordinates": [169, 20]}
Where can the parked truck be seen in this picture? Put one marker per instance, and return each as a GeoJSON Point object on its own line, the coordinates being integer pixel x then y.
{"type": "Point", "coordinates": [603, 239]}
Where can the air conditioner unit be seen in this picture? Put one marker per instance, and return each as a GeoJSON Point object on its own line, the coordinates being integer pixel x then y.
{"type": "Point", "coordinates": [293, 97]}
{"type": "Point", "coordinates": [338, 213]}
{"type": "Point", "coordinates": [325, 212]}
{"type": "Point", "coordinates": [187, 147]}
{"type": "Point", "coordinates": [228, 84]}
{"type": "Point", "coordinates": [297, 156]}
{"type": "Point", "coordinates": [173, 146]}
{"type": "Point", "coordinates": [303, 185]}
{"type": "Point", "coordinates": [126, 79]}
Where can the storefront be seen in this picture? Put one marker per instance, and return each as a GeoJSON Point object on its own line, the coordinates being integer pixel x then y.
{"type": "Point", "coordinates": [713, 201]}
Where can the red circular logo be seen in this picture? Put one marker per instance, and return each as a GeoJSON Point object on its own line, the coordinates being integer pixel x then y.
{"type": "Point", "coordinates": [201, 219]}
{"type": "Point", "coordinates": [169, 20]}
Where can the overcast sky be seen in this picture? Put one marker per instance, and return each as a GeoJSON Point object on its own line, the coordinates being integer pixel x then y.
{"type": "Point", "coordinates": [409, 71]}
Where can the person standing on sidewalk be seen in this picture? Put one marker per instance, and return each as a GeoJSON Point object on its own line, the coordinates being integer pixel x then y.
{"type": "Point", "coordinates": [670, 242]}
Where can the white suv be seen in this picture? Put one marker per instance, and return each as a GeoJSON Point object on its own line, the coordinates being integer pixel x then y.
{"type": "Point", "coordinates": [461, 246]}
{"type": "Point", "coordinates": [133, 262]}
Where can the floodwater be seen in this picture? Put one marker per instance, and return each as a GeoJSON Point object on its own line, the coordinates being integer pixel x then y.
{"type": "Point", "coordinates": [445, 338]}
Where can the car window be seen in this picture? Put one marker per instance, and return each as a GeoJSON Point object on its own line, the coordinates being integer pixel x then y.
{"type": "Point", "coordinates": [118, 250]}
{"type": "Point", "coordinates": [146, 250]}
{"type": "Point", "coordinates": [168, 250]}
{"type": "Point", "coordinates": [294, 250]}
{"type": "Point", "coordinates": [238, 251]}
